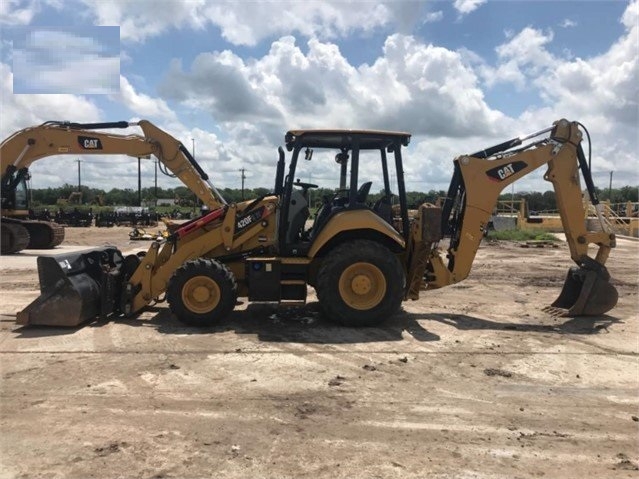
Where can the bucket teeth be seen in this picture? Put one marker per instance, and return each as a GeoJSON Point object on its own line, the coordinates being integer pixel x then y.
{"type": "Point", "coordinates": [555, 312]}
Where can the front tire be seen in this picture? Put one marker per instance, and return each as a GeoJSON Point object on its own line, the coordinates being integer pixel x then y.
{"type": "Point", "coordinates": [360, 283]}
{"type": "Point", "coordinates": [202, 292]}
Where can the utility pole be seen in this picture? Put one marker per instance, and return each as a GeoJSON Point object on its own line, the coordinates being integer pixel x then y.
{"type": "Point", "coordinates": [156, 182]}
{"type": "Point", "coordinates": [243, 178]}
{"type": "Point", "coordinates": [139, 183]}
{"type": "Point", "coordinates": [79, 177]}
{"type": "Point", "coordinates": [610, 189]}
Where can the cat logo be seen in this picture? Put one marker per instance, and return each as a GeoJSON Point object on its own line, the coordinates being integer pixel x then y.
{"type": "Point", "coordinates": [88, 143]}
{"type": "Point", "coordinates": [506, 171]}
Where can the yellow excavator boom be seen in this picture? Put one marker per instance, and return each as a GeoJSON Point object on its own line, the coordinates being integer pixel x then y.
{"type": "Point", "coordinates": [26, 146]}
{"type": "Point", "coordinates": [477, 182]}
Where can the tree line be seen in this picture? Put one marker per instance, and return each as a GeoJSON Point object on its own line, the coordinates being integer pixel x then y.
{"type": "Point", "coordinates": [184, 197]}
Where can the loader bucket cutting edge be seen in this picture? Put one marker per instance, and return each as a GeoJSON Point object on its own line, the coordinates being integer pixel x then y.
{"type": "Point", "coordinates": [73, 288]}
{"type": "Point", "coordinates": [587, 292]}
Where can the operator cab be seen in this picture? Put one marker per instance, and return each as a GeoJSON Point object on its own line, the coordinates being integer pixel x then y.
{"type": "Point", "coordinates": [364, 160]}
{"type": "Point", "coordinates": [14, 191]}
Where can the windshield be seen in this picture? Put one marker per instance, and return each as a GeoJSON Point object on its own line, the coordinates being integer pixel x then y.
{"type": "Point", "coordinates": [21, 197]}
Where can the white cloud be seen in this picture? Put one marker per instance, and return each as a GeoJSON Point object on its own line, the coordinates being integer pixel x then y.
{"type": "Point", "coordinates": [433, 17]}
{"type": "Point", "coordinates": [438, 95]}
{"type": "Point", "coordinates": [630, 16]}
{"type": "Point", "coordinates": [21, 12]}
{"type": "Point", "coordinates": [125, 57]}
{"type": "Point", "coordinates": [20, 111]}
{"type": "Point", "coordinates": [247, 23]}
{"type": "Point", "coordinates": [568, 23]}
{"type": "Point", "coordinates": [431, 91]}
{"type": "Point", "coordinates": [522, 57]}
{"type": "Point", "coordinates": [140, 19]}
{"type": "Point", "coordinates": [435, 93]}
{"type": "Point", "coordinates": [602, 92]}
{"type": "Point", "coordinates": [467, 6]}
{"type": "Point", "coordinates": [413, 86]}
{"type": "Point", "coordinates": [101, 171]}
{"type": "Point", "coordinates": [143, 105]}
{"type": "Point", "coordinates": [16, 12]}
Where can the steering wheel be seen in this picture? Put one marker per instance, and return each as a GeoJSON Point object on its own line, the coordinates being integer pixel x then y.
{"type": "Point", "coordinates": [305, 186]}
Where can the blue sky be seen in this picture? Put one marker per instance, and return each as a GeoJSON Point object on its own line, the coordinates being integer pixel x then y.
{"type": "Point", "coordinates": [232, 77]}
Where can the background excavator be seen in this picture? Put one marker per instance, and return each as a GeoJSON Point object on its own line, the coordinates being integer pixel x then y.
{"type": "Point", "coordinates": [17, 230]}
{"type": "Point", "coordinates": [363, 260]}
{"type": "Point", "coordinates": [21, 149]}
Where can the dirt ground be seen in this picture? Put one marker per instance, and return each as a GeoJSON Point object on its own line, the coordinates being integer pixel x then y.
{"type": "Point", "coordinates": [471, 381]}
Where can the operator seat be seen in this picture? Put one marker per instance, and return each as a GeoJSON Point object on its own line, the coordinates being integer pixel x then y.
{"type": "Point", "coordinates": [298, 213]}
{"type": "Point", "coordinates": [363, 191]}
{"type": "Point", "coordinates": [321, 216]}
{"type": "Point", "coordinates": [384, 209]}
{"type": "Point", "coordinates": [329, 205]}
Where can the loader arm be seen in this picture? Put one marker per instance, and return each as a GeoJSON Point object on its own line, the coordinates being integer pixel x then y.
{"type": "Point", "coordinates": [26, 146]}
{"type": "Point", "coordinates": [101, 282]}
{"type": "Point", "coordinates": [477, 182]}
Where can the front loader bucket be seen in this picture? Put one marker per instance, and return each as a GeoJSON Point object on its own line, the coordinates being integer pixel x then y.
{"type": "Point", "coordinates": [587, 292]}
{"type": "Point", "coordinates": [74, 288]}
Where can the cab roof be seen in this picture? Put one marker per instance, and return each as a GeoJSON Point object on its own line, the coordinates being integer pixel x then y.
{"type": "Point", "coordinates": [343, 139]}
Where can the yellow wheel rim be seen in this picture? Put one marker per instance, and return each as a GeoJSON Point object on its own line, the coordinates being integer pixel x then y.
{"type": "Point", "coordinates": [201, 294]}
{"type": "Point", "coordinates": [362, 286]}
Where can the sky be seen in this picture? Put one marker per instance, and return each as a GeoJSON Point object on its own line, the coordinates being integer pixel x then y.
{"type": "Point", "coordinates": [229, 78]}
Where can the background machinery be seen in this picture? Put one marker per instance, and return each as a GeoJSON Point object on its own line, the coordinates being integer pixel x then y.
{"type": "Point", "coordinates": [17, 230]}
{"type": "Point", "coordinates": [21, 149]}
{"type": "Point", "coordinates": [362, 259]}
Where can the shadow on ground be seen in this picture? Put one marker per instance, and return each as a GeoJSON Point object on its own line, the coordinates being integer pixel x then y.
{"type": "Point", "coordinates": [578, 325]}
{"type": "Point", "coordinates": [308, 325]}
{"type": "Point", "coordinates": [291, 325]}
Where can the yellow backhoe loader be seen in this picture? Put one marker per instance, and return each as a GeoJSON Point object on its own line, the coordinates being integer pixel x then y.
{"type": "Point", "coordinates": [363, 259]}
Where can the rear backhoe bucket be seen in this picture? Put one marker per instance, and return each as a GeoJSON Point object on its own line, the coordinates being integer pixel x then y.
{"type": "Point", "coordinates": [75, 288]}
{"type": "Point", "coordinates": [587, 292]}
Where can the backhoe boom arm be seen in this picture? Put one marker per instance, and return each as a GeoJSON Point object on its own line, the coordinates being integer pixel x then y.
{"type": "Point", "coordinates": [477, 183]}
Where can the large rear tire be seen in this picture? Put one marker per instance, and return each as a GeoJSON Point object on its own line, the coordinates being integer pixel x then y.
{"type": "Point", "coordinates": [360, 283]}
{"type": "Point", "coordinates": [202, 292]}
